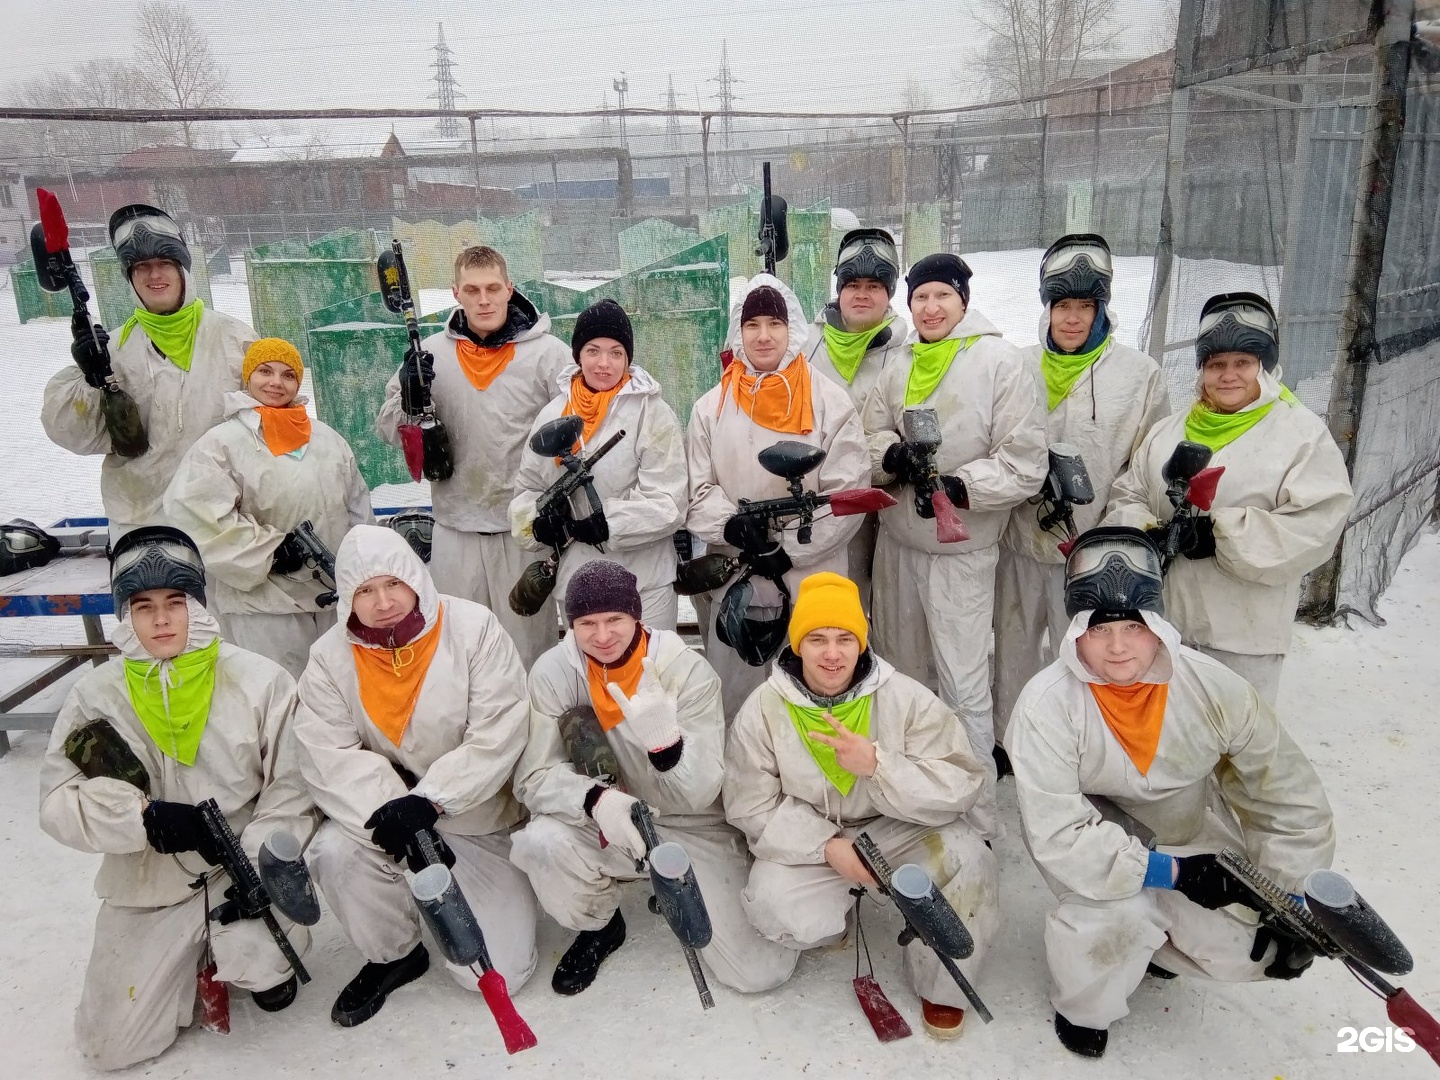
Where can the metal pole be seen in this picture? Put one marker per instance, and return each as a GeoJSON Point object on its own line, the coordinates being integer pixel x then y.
{"type": "Point", "coordinates": [475, 156]}
{"type": "Point", "coordinates": [705, 155]}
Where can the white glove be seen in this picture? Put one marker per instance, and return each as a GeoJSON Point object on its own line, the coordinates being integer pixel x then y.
{"type": "Point", "coordinates": [611, 813]}
{"type": "Point", "coordinates": [650, 715]}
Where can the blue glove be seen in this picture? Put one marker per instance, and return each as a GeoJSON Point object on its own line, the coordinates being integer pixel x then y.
{"type": "Point", "coordinates": [1160, 871]}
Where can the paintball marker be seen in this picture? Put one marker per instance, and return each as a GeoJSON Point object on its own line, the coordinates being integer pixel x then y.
{"type": "Point", "coordinates": [922, 433]}
{"type": "Point", "coordinates": [320, 559]}
{"type": "Point", "coordinates": [1067, 485]}
{"type": "Point", "coordinates": [1334, 921]}
{"type": "Point", "coordinates": [557, 439]}
{"type": "Point", "coordinates": [453, 922]}
{"type": "Point", "coordinates": [426, 444]}
{"type": "Point", "coordinates": [250, 899]}
{"type": "Point", "coordinates": [774, 232]}
{"type": "Point", "coordinates": [1191, 490]}
{"type": "Point", "coordinates": [676, 896]}
{"type": "Point", "coordinates": [927, 914]}
{"type": "Point", "coordinates": [791, 461]}
{"type": "Point", "coordinates": [55, 271]}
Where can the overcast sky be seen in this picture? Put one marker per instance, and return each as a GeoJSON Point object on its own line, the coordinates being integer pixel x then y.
{"type": "Point", "coordinates": [787, 54]}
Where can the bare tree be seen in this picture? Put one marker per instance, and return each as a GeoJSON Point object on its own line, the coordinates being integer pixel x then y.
{"type": "Point", "coordinates": [1034, 44]}
{"type": "Point", "coordinates": [175, 55]}
{"type": "Point", "coordinates": [96, 84]}
{"type": "Point", "coordinates": [1165, 27]}
{"type": "Point", "coordinates": [917, 95]}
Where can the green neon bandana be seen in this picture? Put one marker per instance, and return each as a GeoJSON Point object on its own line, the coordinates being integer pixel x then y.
{"type": "Point", "coordinates": [1062, 370]}
{"type": "Point", "coordinates": [847, 350]}
{"type": "Point", "coordinates": [173, 334]}
{"type": "Point", "coordinates": [853, 715]}
{"type": "Point", "coordinates": [930, 361]}
{"type": "Point", "coordinates": [172, 699]}
{"type": "Point", "coordinates": [1216, 430]}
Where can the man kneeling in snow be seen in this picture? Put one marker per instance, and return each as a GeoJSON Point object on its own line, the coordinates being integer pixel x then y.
{"type": "Point", "coordinates": [837, 742]}
{"type": "Point", "coordinates": [1127, 717]}
{"type": "Point", "coordinates": [631, 703]}
{"type": "Point", "coordinates": [181, 717]}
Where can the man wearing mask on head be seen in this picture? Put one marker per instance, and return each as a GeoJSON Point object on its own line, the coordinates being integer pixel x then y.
{"type": "Point", "coordinates": [175, 357]}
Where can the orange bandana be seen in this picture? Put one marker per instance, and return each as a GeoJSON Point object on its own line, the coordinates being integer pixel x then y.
{"type": "Point", "coordinates": [390, 680]}
{"type": "Point", "coordinates": [626, 676]}
{"type": "Point", "coordinates": [778, 400]}
{"type": "Point", "coordinates": [483, 366]}
{"type": "Point", "coordinates": [1134, 714]}
{"type": "Point", "coordinates": [591, 405]}
{"type": "Point", "coordinates": [284, 429]}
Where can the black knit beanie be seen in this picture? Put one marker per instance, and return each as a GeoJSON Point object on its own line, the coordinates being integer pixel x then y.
{"type": "Point", "coordinates": [766, 300]}
{"type": "Point", "coordinates": [603, 319]}
{"type": "Point", "coordinates": [599, 586]}
{"type": "Point", "coordinates": [948, 269]}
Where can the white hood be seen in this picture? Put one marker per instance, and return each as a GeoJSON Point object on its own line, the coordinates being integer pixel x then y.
{"type": "Point", "coordinates": [373, 551]}
{"type": "Point", "coordinates": [797, 322]}
{"type": "Point", "coordinates": [1160, 671]}
{"type": "Point", "coordinates": [1044, 325]}
{"type": "Point", "coordinates": [1270, 388]}
{"type": "Point", "coordinates": [972, 324]}
{"type": "Point", "coordinates": [641, 381]}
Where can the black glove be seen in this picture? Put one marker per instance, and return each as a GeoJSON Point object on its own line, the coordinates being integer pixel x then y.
{"type": "Point", "coordinates": [904, 462]}
{"type": "Point", "coordinates": [417, 374]}
{"type": "Point", "coordinates": [746, 532]}
{"type": "Point", "coordinates": [552, 530]}
{"type": "Point", "coordinates": [955, 488]}
{"type": "Point", "coordinates": [1198, 540]}
{"type": "Point", "coordinates": [394, 825]}
{"type": "Point", "coordinates": [1156, 535]}
{"type": "Point", "coordinates": [88, 349]}
{"type": "Point", "coordinates": [1292, 957]}
{"type": "Point", "coordinates": [593, 530]}
{"type": "Point", "coordinates": [288, 557]}
{"type": "Point", "coordinates": [771, 564]}
{"type": "Point", "coordinates": [174, 827]}
{"type": "Point", "coordinates": [232, 911]}
{"type": "Point", "coordinates": [1202, 879]}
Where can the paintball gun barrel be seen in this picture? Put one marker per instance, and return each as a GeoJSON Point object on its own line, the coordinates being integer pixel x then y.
{"type": "Point", "coordinates": [677, 897]}
{"type": "Point", "coordinates": [927, 914]}
{"type": "Point", "coordinates": [320, 559]}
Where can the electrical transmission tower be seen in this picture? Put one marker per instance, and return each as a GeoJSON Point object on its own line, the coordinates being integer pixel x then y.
{"type": "Point", "coordinates": [446, 88]}
{"type": "Point", "coordinates": [622, 90]}
{"type": "Point", "coordinates": [727, 97]}
{"type": "Point", "coordinates": [672, 122]}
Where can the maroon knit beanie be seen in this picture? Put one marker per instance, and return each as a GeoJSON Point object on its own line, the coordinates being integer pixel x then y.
{"type": "Point", "coordinates": [766, 300]}
{"type": "Point", "coordinates": [599, 586]}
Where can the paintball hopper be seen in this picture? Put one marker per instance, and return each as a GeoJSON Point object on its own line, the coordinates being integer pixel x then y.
{"type": "Point", "coordinates": [921, 428]}
{"type": "Point", "coordinates": [1354, 924]}
{"type": "Point", "coordinates": [585, 742]}
{"type": "Point", "coordinates": [97, 749]}
{"type": "Point", "coordinates": [48, 271]}
{"type": "Point", "coordinates": [1184, 463]}
{"type": "Point", "coordinates": [287, 879]}
{"type": "Point", "coordinates": [1068, 476]}
{"type": "Point", "coordinates": [535, 584]}
{"type": "Point", "coordinates": [790, 459]}
{"type": "Point", "coordinates": [677, 895]}
{"type": "Point", "coordinates": [393, 281]}
{"type": "Point", "coordinates": [557, 437]}
{"type": "Point", "coordinates": [705, 574]}
{"type": "Point", "coordinates": [448, 914]}
{"type": "Point", "coordinates": [920, 901]}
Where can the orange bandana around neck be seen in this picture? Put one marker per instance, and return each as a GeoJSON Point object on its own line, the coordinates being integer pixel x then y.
{"type": "Point", "coordinates": [777, 400]}
{"type": "Point", "coordinates": [625, 675]}
{"type": "Point", "coordinates": [1134, 714]}
{"type": "Point", "coordinates": [591, 405]}
{"type": "Point", "coordinates": [391, 679]}
{"type": "Point", "coordinates": [483, 366]}
{"type": "Point", "coordinates": [284, 429]}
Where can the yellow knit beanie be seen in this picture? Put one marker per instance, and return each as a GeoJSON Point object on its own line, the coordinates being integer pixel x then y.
{"type": "Point", "coordinates": [270, 350]}
{"type": "Point", "coordinates": [828, 599]}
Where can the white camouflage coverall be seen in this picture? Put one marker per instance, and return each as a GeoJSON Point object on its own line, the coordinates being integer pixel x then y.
{"type": "Point", "coordinates": [722, 456]}
{"type": "Point", "coordinates": [177, 407]}
{"type": "Point", "coordinates": [1280, 508]}
{"type": "Point", "coordinates": [641, 484]}
{"type": "Point", "coordinates": [914, 807]}
{"type": "Point", "coordinates": [576, 881]}
{"type": "Point", "coordinates": [461, 746]}
{"type": "Point", "coordinates": [473, 554]}
{"type": "Point", "coordinates": [151, 929]}
{"type": "Point", "coordinates": [237, 501]}
{"type": "Point", "coordinates": [1105, 415]}
{"type": "Point", "coordinates": [1225, 774]}
{"type": "Point", "coordinates": [933, 602]}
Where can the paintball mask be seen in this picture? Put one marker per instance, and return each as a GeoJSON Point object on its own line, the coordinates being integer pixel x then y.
{"type": "Point", "coordinates": [1076, 267]}
{"type": "Point", "coordinates": [417, 527]}
{"type": "Point", "coordinates": [24, 546]}
{"type": "Point", "coordinates": [868, 253]}
{"type": "Point", "coordinates": [139, 232]}
{"type": "Point", "coordinates": [755, 639]}
{"type": "Point", "coordinates": [155, 557]}
{"type": "Point", "coordinates": [1238, 322]}
{"type": "Point", "coordinates": [1113, 569]}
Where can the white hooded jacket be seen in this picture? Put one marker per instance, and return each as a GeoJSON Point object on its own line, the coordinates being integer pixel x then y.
{"type": "Point", "coordinates": [1281, 505]}
{"type": "Point", "coordinates": [248, 762]}
{"type": "Point", "coordinates": [642, 482]}
{"type": "Point", "coordinates": [992, 435]}
{"type": "Point", "coordinates": [722, 445]}
{"type": "Point", "coordinates": [488, 428]}
{"type": "Point", "coordinates": [787, 808]}
{"type": "Point", "coordinates": [1105, 416]}
{"type": "Point", "coordinates": [469, 723]}
{"type": "Point", "coordinates": [1225, 773]}
{"type": "Point", "coordinates": [176, 406]}
{"type": "Point", "coordinates": [237, 501]}
{"type": "Point", "coordinates": [688, 794]}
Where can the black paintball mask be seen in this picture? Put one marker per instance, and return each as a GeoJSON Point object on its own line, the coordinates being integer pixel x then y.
{"type": "Point", "coordinates": [1077, 267]}
{"type": "Point", "coordinates": [1238, 322]}
{"type": "Point", "coordinates": [155, 557]}
{"type": "Point", "coordinates": [755, 639]}
{"type": "Point", "coordinates": [868, 253]}
{"type": "Point", "coordinates": [139, 232]}
{"type": "Point", "coordinates": [1114, 571]}
{"type": "Point", "coordinates": [24, 546]}
{"type": "Point", "coordinates": [418, 529]}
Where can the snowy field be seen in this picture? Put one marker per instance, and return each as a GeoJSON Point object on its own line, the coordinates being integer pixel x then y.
{"type": "Point", "coordinates": [1358, 701]}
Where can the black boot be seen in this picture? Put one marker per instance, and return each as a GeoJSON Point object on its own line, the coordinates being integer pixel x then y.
{"type": "Point", "coordinates": [1002, 763]}
{"type": "Point", "coordinates": [365, 993]}
{"type": "Point", "coordinates": [1087, 1042]}
{"type": "Point", "coordinates": [277, 997]}
{"type": "Point", "coordinates": [581, 963]}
